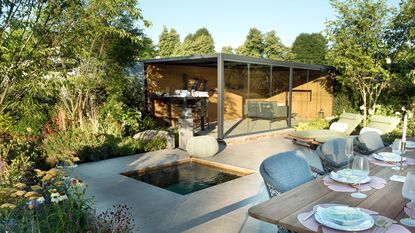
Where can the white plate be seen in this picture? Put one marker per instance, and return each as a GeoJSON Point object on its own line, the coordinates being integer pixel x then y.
{"type": "Point", "coordinates": [410, 144]}
{"type": "Point", "coordinates": [388, 157]}
{"type": "Point", "coordinates": [366, 223]}
{"type": "Point", "coordinates": [349, 179]}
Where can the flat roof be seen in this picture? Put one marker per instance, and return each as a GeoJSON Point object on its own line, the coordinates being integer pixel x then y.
{"type": "Point", "coordinates": [211, 60]}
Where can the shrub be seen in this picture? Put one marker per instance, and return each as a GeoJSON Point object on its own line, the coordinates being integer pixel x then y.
{"type": "Point", "coordinates": [75, 145]}
{"type": "Point", "coordinates": [155, 144]}
{"type": "Point", "coordinates": [313, 124]}
{"type": "Point", "coordinates": [56, 203]}
{"type": "Point", "coordinates": [342, 103]}
{"type": "Point", "coordinates": [19, 158]}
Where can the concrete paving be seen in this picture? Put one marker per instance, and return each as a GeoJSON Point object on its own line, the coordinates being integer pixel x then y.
{"type": "Point", "coordinates": [221, 208]}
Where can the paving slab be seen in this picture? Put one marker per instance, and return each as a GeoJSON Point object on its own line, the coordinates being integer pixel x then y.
{"type": "Point", "coordinates": [221, 208]}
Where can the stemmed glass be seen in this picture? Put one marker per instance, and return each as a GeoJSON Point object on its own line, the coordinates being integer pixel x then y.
{"type": "Point", "coordinates": [360, 169]}
{"type": "Point", "coordinates": [396, 148]}
{"type": "Point", "coordinates": [349, 150]}
{"type": "Point", "coordinates": [408, 191]}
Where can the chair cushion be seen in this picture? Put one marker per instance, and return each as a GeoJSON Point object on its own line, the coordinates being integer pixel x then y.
{"type": "Point", "coordinates": [384, 123]}
{"type": "Point", "coordinates": [370, 142]}
{"type": "Point", "coordinates": [312, 134]}
{"type": "Point", "coordinates": [352, 120]}
{"type": "Point", "coordinates": [286, 171]}
{"type": "Point", "coordinates": [367, 129]}
{"type": "Point", "coordinates": [338, 126]}
{"type": "Point", "coordinates": [333, 152]}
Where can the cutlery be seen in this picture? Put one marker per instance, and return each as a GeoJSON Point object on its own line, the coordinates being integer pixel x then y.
{"type": "Point", "coordinates": [309, 216]}
{"type": "Point", "coordinates": [386, 227]}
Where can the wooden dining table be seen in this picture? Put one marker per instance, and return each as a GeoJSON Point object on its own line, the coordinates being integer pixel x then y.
{"type": "Point", "coordinates": [283, 210]}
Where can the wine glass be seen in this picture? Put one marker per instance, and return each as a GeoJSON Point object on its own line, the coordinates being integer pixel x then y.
{"type": "Point", "coordinates": [408, 191]}
{"type": "Point", "coordinates": [360, 169]}
{"type": "Point", "coordinates": [349, 150]}
{"type": "Point", "coordinates": [396, 148]}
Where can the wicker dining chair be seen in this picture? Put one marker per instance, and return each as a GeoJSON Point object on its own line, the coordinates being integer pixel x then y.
{"type": "Point", "coordinates": [370, 142]}
{"type": "Point", "coordinates": [285, 171]}
{"type": "Point", "coordinates": [332, 154]}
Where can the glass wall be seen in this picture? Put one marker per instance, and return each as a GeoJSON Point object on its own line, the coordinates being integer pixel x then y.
{"type": "Point", "coordinates": [255, 98]}
{"type": "Point", "coordinates": [280, 91]}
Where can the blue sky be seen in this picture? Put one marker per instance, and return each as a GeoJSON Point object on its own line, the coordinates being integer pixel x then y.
{"type": "Point", "coordinates": [229, 20]}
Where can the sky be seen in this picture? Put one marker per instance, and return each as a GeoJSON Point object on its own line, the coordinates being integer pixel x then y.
{"type": "Point", "coordinates": [230, 20]}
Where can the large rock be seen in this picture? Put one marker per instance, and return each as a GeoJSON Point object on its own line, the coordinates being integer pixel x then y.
{"type": "Point", "coordinates": [202, 146]}
{"type": "Point", "coordinates": [150, 134]}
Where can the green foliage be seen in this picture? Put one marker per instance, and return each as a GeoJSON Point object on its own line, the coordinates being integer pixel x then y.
{"type": "Point", "coordinates": [343, 103]}
{"type": "Point", "coordinates": [310, 48]}
{"type": "Point", "coordinates": [273, 47]}
{"type": "Point", "coordinates": [155, 144]}
{"type": "Point", "coordinates": [312, 125]}
{"type": "Point", "coordinates": [259, 45]}
{"type": "Point", "coordinates": [201, 42]}
{"type": "Point", "coordinates": [84, 146]}
{"type": "Point", "coordinates": [19, 157]}
{"type": "Point", "coordinates": [358, 49]}
{"type": "Point", "coordinates": [169, 42]}
{"type": "Point", "coordinates": [55, 203]}
{"type": "Point", "coordinates": [228, 50]}
{"type": "Point", "coordinates": [253, 45]}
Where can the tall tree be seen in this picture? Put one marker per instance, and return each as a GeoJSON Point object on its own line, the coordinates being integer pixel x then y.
{"type": "Point", "coordinates": [273, 47]}
{"type": "Point", "coordinates": [228, 49]}
{"type": "Point", "coordinates": [201, 42]}
{"type": "Point", "coordinates": [401, 38]}
{"type": "Point", "coordinates": [358, 48]}
{"type": "Point", "coordinates": [253, 45]}
{"type": "Point", "coordinates": [310, 48]}
{"type": "Point", "coordinates": [169, 42]}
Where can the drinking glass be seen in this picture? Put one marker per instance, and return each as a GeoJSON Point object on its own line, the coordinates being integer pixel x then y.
{"type": "Point", "coordinates": [396, 148]}
{"type": "Point", "coordinates": [408, 191]}
{"type": "Point", "coordinates": [349, 150]}
{"type": "Point", "coordinates": [360, 170]}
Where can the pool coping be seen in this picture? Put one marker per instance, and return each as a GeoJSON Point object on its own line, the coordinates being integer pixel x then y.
{"type": "Point", "coordinates": [227, 168]}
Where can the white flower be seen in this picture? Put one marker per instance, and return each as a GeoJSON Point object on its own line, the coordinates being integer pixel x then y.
{"type": "Point", "coordinates": [63, 197]}
{"type": "Point", "coordinates": [362, 107]}
{"type": "Point", "coordinates": [403, 109]}
{"type": "Point", "coordinates": [41, 200]}
{"type": "Point", "coordinates": [398, 113]}
{"type": "Point", "coordinates": [371, 111]}
{"type": "Point", "coordinates": [54, 195]}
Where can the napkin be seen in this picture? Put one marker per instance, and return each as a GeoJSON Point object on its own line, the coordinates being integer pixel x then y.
{"type": "Point", "coordinates": [343, 215]}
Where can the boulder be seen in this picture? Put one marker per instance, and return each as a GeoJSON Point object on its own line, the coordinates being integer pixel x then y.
{"type": "Point", "coordinates": [202, 146]}
{"type": "Point", "coordinates": [150, 134]}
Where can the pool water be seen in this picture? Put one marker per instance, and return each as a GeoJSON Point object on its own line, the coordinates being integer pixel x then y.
{"type": "Point", "coordinates": [184, 178]}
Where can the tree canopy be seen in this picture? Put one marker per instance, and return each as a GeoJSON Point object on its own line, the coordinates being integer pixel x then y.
{"type": "Point", "coordinates": [358, 49]}
{"type": "Point", "coordinates": [201, 42]}
{"type": "Point", "coordinates": [169, 42]}
{"type": "Point", "coordinates": [253, 45]}
{"type": "Point", "coordinates": [228, 49]}
{"type": "Point", "coordinates": [273, 47]}
{"type": "Point", "coordinates": [309, 48]}
{"type": "Point", "coordinates": [259, 45]}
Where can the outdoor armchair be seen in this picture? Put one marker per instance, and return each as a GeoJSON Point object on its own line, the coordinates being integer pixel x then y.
{"type": "Point", "coordinates": [332, 154]}
{"type": "Point", "coordinates": [285, 171]}
{"type": "Point", "coordinates": [369, 142]}
{"type": "Point", "coordinates": [346, 124]}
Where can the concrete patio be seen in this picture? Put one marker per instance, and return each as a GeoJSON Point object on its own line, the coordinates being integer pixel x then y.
{"type": "Point", "coordinates": [221, 208]}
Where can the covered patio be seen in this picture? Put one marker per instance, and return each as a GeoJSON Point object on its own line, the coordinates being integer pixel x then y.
{"type": "Point", "coordinates": [242, 95]}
